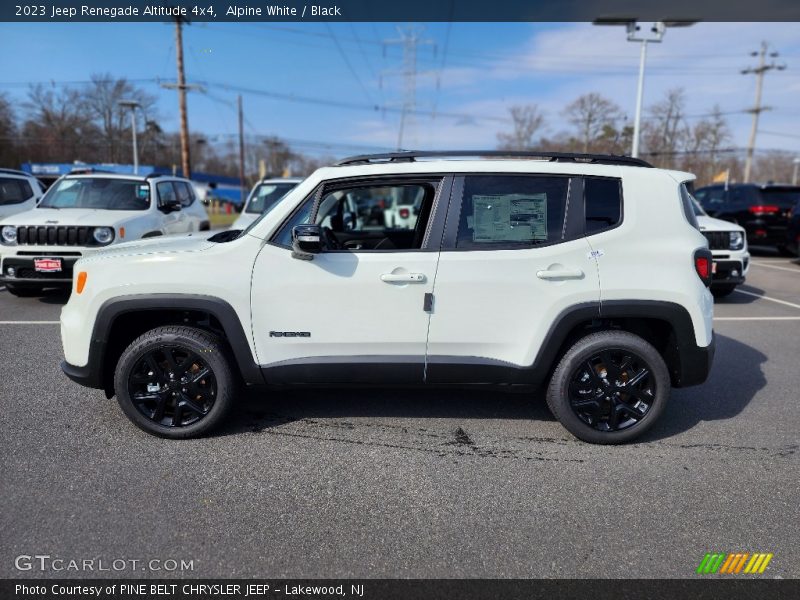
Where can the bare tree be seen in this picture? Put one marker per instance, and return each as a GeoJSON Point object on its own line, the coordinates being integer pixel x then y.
{"type": "Point", "coordinates": [590, 114]}
{"type": "Point", "coordinates": [58, 127]}
{"type": "Point", "coordinates": [666, 131]}
{"type": "Point", "coordinates": [9, 142]}
{"type": "Point", "coordinates": [526, 122]}
{"type": "Point", "coordinates": [102, 97]}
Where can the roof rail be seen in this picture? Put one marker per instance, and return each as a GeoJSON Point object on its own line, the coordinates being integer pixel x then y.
{"type": "Point", "coordinates": [412, 155]}
{"type": "Point", "coordinates": [152, 175]}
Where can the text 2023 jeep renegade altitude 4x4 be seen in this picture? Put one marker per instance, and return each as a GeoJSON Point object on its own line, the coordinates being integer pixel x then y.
{"type": "Point", "coordinates": [584, 272]}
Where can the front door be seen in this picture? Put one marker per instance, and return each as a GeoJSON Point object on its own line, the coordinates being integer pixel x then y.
{"type": "Point", "coordinates": [356, 312]}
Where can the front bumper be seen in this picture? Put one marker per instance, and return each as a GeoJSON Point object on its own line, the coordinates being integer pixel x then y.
{"type": "Point", "coordinates": [728, 271]}
{"type": "Point", "coordinates": [24, 271]}
{"type": "Point", "coordinates": [85, 376]}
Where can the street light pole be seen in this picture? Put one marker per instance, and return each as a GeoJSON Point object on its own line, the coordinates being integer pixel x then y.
{"type": "Point", "coordinates": [796, 162]}
{"type": "Point", "coordinates": [637, 121]}
{"type": "Point", "coordinates": [133, 105]}
{"type": "Point", "coordinates": [656, 34]}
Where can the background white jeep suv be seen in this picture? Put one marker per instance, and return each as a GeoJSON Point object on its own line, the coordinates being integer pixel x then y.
{"type": "Point", "coordinates": [19, 191]}
{"type": "Point", "coordinates": [83, 213]}
{"type": "Point", "coordinates": [584, 272]}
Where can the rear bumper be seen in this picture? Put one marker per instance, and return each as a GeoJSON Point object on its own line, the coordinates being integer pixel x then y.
{"type": "Point", "coordinates": [695, 364]}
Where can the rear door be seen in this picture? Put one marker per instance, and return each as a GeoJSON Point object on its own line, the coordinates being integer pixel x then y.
{"type": "Point", "coordinates": [513, 259]}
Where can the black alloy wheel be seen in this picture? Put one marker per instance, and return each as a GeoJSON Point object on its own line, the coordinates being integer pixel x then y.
{"type": "Point", "coordinates": [612, 390]}
{"type": "Point", "coordinates": [172, 386]}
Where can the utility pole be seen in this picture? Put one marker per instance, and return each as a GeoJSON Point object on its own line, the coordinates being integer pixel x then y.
{"type": "Point", "coordinates": [241, 149]}
{"type": "Point", "coordinates": [759, 71]}
{"type": "Point", "coordinates": [182, 87]}
{"type": "Point", "coordinates": [410, 39]}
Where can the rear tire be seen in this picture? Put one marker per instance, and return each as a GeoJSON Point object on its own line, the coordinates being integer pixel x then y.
{"type": "Point", "coordinates": [609, 388]}
{"type": "Point", "coordinates": [175, 382]}
{"type": "Point", "coordinates": [720, 291]}
{"type": "Point", "coordinates": [25, 291]}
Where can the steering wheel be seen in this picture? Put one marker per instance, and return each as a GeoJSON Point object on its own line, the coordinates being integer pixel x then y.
{"type": "Point", "coordinates": [330, 239]}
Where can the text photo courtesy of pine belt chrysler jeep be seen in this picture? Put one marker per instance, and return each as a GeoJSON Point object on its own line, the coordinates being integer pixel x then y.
{"type": "Point", "coordinates": [83, 213]}
{"type": "Point", "coordinates": [587, 273]}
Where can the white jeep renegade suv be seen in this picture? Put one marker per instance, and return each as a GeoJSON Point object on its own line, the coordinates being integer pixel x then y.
{"type": "Point", "coordinates": [584, 272]}
{"type": "Point", "coordinates": [83, 213]}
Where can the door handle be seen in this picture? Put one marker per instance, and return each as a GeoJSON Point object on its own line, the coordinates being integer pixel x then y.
{"type": "Point", "coordinates": [403, 277]}
{"type": "Point", "coordinates": [560, 274]}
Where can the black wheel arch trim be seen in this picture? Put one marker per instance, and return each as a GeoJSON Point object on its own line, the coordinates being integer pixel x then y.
{"type": "Point", "coordinates": [92, 375]}
{"type": "Point", "coordinates": [151, 234]}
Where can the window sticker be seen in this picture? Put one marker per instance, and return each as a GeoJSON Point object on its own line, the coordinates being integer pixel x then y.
{"type": "Point", "coordinates": [143, 191]}
{"type": "Point", "coordinates": [509, 217]}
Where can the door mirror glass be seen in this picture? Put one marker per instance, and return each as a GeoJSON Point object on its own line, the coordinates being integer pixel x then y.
{"type": "Point", "coordinates": [306, 241]}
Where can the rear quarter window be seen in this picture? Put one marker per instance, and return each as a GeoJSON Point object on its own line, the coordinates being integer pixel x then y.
{"type": "Point", "coordinates": [602, 203]}
{"type": "Point", "coordinates": [687, 202]}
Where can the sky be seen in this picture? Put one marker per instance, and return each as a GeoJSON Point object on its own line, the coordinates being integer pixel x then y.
{"type": "Point", "coordinates": [340, 86]}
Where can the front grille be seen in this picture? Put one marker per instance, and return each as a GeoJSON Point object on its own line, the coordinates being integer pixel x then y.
{"type": "Point", "coordinates": [33, 235]}
{"type": "Point", "coordinates": [718, 240]}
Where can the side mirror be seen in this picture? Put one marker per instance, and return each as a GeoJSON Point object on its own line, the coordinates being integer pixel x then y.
{"type": "Point", "coordinates": [306, 241]}
{"type": "Point", "coordinates": [170, 207]}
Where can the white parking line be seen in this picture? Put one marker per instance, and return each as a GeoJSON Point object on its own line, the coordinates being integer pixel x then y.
{"type": "Point", "coordinates": [792, 304]}
{"type": "Point", "coordinates": [757, 318]}
{"type": "Point", "coordinates": [29, 322]}
{"type": "Point", "coordinates": [760, 264]}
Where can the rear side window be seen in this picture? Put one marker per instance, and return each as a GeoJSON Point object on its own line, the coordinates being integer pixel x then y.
{"type": "Point", "coordinates": [511, 211]}
{"type": "Point", "coordinates": [603, 203]}
{"type": "Point", "coordinates": [688, 203]}
{"type": "Point", "coordinates": [14, 191]}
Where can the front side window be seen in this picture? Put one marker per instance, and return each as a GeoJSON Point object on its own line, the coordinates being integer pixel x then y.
{"type": "Point", "coordinates": [14, 191]}
{"type": "Point", "coordinates": [166, 193]}
{"type": "Point", "coordinates": [511, 211]}
{"type": "Point", "coordinates": [602, 202]}
{"type": "Point", "coordinates": [98, 193]}
{"type": "Point", "coordinates": [266, 196]}
{"type": "Point", "coordinates": [367, 217]}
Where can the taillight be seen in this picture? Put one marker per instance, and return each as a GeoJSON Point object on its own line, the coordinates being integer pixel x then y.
{"type": "Point", "coordinates": [404, 212]}
{"type": "Point", "coordinates": [764, 209]}
{"type": "Point", "coordinates": [703, 265]}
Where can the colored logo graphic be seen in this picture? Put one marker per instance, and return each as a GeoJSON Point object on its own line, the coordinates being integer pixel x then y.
{"type": "Point", "coordinates": [731, 564]}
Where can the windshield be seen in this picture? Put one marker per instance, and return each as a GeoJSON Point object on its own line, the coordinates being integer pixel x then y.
{"type": "Point", "coordinates": [266, 196]}
{"type": "Point", "coordinates": [98, 193]}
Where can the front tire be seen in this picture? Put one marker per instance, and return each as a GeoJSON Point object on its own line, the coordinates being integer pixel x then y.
{"type": "Point", "coordinates": [175, 382]}
{"type": "Point", "coordinates": [609, 388]}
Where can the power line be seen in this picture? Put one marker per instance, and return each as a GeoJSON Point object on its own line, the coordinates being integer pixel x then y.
{"type": "Point", "coordinates": [348, 63]}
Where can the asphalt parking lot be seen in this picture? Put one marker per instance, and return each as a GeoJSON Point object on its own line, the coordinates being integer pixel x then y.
{"type": "Point", "coordinates": [397, 483]}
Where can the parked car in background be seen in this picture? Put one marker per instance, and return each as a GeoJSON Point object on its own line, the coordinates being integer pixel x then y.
{"type": "Point", "coordinates": [793, 230]}
{"type": "Point", "coordinates": [762, 209]}
{"type": "Point", "coordinates": [728, 244]}
{"type": "Point", "coordinates": [402, 210]}
{"type": "Point", "coordinates": [83, 213]}
{"type": "Point", "coordinates": [264, 196]}
{"type": "Point", "coordinates": [19, 191]}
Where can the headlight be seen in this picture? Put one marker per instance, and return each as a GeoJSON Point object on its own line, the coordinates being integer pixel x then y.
{"type": "Point", "coordinates": [9, 234]}
{"type": "Point", "coordinates": [103, 235]}
{"type": "Point", "coordinates": [737, 240]}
